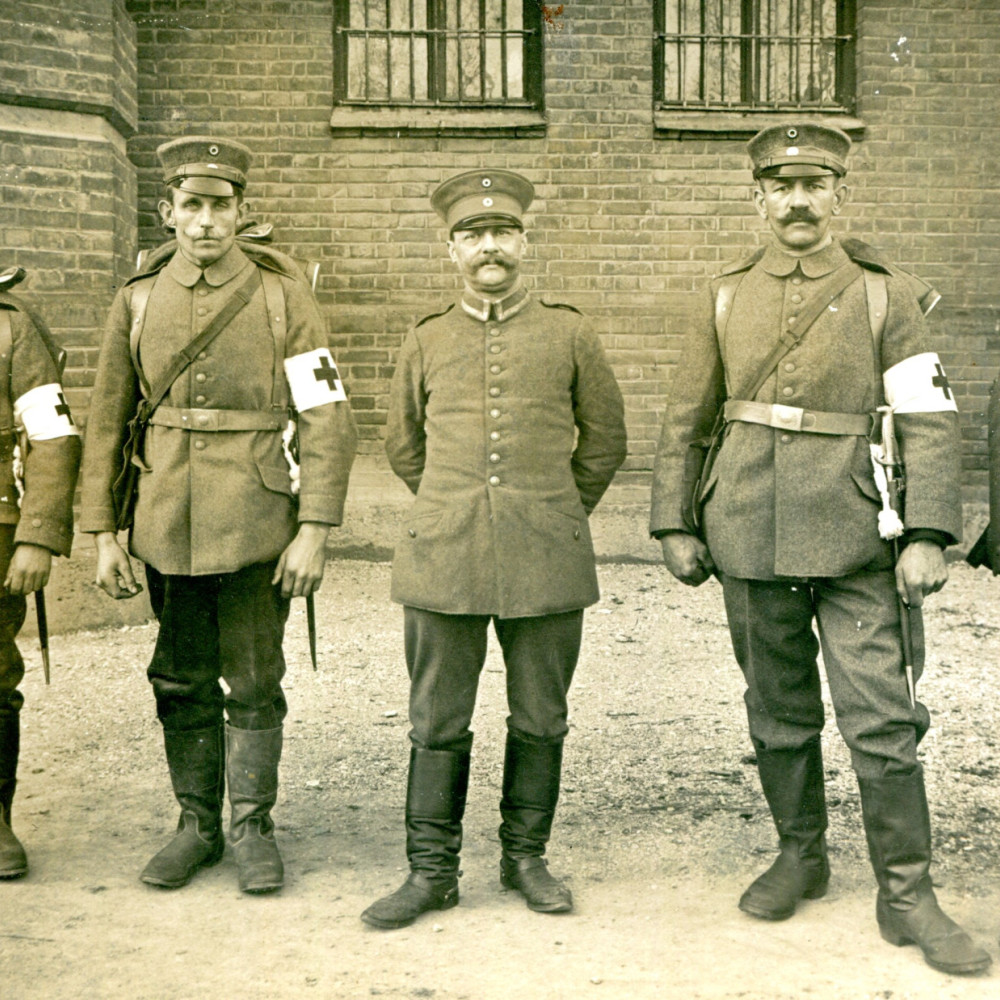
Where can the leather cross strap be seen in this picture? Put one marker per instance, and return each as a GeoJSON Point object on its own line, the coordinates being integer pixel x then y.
{"type": "Point", "coordinates": [810, 312]}
{"type": "Point", "coordinates": [186, 356]}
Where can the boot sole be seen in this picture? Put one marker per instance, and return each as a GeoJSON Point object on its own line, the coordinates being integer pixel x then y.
{"type": "Point", "coordinates": [161, 883]}
{"type": "Point", "coordinates": [966, 969]}
{"type": "Point", "coordinates": [14, 873]}
{"type": "Point", "coordinates": [561, 907]}
{"type": "Point", "coordinates": [394, 925]}
{"type": "Point", "coordinates": [818, 892]}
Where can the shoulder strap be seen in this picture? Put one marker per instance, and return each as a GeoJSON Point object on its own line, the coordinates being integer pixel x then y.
{"type": "Point", "coordinates": [810, 312]}
{"type": "Point", "coordinates": [724, 297]}
{"type": "Point", "coordinates": [274, 300]}
{"type": "Point", "coordinates": [877, 294]}
{"type": "Point", "coordinates": [183, 358]}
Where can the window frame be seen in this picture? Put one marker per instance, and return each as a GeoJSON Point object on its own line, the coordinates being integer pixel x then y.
{"type": "Point", "coordinates": [678, 120]}
{"type": "Point", "coordinates": [520, 117]}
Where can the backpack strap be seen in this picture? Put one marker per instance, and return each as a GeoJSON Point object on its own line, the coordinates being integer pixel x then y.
{"type": "Point", "coordinates": [6, 374]}
{"type": "Point", "coordinates": [877, 294]}
{"type": "Point", "coordinates": [274, 301]}
{"type": "Point", "coordinates": [137, 305]}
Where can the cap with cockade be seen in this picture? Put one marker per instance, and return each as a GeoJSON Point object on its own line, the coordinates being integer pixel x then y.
{"type": "Point", "coordinates": [483, 198]}
{"type": "Point", "coordinates": [799, 149]}
{"type": "Point", "coordinates": [205, 165]}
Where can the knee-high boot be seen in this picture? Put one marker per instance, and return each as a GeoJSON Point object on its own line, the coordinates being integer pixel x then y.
{"type": "Point", "coordinates": [531, 774]}
{"type": "Point", "coordinates": [13, 860]}
{"type": "Point", "coordinates": [436, 792]}
{"type": "Point", "coordinates": [898, 828]}
{"type": "Point", "coordinates": [194, 757]}
{"type": "Point", "coordinates": [793, 786]}
{"type": "Point", "coordinates": [252, 757]}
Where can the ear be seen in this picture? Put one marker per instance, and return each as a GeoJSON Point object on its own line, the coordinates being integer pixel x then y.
{"type": "Point", "coordinates": [524, 242]}
{"type": "Point", "coordinates": [757, 193]}
{"type": "Point", "coordinates": [241, 213]}
{"type": "Point", "coordinates": [451, 252]}
{"type": "Point", "coordinates": [840, 196]}
{"type": "Point", "coordinates": [166, 210]}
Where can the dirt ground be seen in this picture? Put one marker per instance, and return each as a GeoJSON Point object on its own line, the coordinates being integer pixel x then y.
{"type": "Point", "coordinates": [660, 827]}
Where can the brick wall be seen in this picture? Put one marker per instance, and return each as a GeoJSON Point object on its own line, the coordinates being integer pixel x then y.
{"type": "Point", "coordinates": [67, 188]}
{"type": "Point", "coordinates": [626, 226]}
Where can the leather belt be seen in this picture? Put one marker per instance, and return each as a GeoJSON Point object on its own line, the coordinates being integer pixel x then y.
{"type": "Point", "coordinates": [218, 420]}
{"type": "Point", "coordinates": [794, 418]}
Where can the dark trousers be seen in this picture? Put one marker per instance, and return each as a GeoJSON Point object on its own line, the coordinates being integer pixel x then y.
{"type": "Point", "coordinates": [12, 612]}
{"type": "Point", "coordinates": [445, 656]}
{"type": "Point", "coordinates": [857, 617]}
{"type": "Point", "coordinates": [227, 626]}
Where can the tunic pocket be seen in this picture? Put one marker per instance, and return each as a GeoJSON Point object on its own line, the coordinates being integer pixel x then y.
{"type": "Point", "coordinates": [275, 478]}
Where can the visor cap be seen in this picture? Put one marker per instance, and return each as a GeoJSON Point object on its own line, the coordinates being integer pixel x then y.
{"type": "Point", "coordinates": [799, 149]}
{"type": "Point", "coordinates": [205, 164]}
{"type": "Point", "coordinates": [482, 198]}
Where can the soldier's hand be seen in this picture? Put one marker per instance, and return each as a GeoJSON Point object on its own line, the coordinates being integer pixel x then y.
{"type": "Point", "coordinates": [687, 557]}
{"type": "Point", "coordinates": [300, 567]}
{"type": "Point", "coordinates": [29, 569]}
{"type": "Point", "coordinates": [114, 568]}
{"type": "Point", "coordinates": [920, 570]}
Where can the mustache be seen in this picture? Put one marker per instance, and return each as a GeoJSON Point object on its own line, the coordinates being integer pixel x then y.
{"type": "Point", "coordinates": [799, 215]}
{"type": "Point", "coordinates": [489, 258]}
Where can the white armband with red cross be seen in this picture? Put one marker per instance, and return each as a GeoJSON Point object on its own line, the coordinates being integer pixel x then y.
{"type": "Point", "coordinates": [44, 414]}
{"type": "Point", "coordinates": [918, 385]}
{"type": "Point", "coordinates": [314, 380]}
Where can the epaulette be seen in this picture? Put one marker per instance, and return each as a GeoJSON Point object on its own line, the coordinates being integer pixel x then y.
{"type": "Point", "coordinates": [865, 255]}
{"type": "Point", "coordinates": [427, 319]}
{"type": "Point", "coordinates": [744, 264]}
{"type": "Point", "coordinates": [560, 305]}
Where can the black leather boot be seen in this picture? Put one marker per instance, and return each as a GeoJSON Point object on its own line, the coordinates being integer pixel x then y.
{"type": "Point", "coordinates": [252, 757]}
{"type": "Point", "coordinates": [13, 860]}
{"type": "Point", "coordinates": [194, 757]}
{"type": "Point", "coordinates": [793, 786]}
{"type": "Point", "coordinates": [436, 791]}
{"type": "Point", "coordinates": [531, 773]}
{"type": "Point", "coordinates": [898, 828]}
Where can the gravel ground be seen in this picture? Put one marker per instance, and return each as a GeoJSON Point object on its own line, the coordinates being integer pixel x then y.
{"type": "Point", "coordinates": [660, 827]}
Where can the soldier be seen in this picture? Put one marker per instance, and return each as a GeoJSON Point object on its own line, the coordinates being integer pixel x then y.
{"type": "Point", "coordinates": [225, 541]}
{"type": "Point", "coordinates": [38, 440]}
{"type": "Point", "coordinates": [487, 399]}
{"type": "Point", "coordinates": [789, 520]}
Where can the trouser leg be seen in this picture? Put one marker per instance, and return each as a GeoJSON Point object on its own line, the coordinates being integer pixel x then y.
{"type": "Point", "coordinates": [771, 627]}
{"type": "Point", "coordinates": [540, 655]}
{"type": "Point", "coordinates": [444, 657]}
{"type": "Point", "coordinates": [898, 829]}
{"type": "Point", "coordinates": [13, 607]}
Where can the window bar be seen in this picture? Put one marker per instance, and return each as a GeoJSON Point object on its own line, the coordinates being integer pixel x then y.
{"type": "Point", "coordinates": [702, 93]}
{"type": "Point", "coordinates": [482, 50]}
{"type": "Point", "coordinates": [503, 50]}
{"type": "Point", "coordinates": [747, 92]}
{"type": "Point", "coordinates": [659, 51]}
{"type": "Point", "coordinates": [388, 49]}
{"type": "Point", "coordinates": [413, 53]}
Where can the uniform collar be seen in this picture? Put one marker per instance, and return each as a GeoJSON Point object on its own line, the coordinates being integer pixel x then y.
{"type": "Point", "coordinates": [815, 265]}
{"type": "Point", "coordinates": [506, 307]}
{"type": "Point", "coordinates": [216, 274]}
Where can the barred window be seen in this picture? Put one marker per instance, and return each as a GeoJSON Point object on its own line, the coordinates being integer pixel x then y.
{"type": "Point", "coordinates": [458, 54]}
{"type": "Point", "coordinates": [754, 55]}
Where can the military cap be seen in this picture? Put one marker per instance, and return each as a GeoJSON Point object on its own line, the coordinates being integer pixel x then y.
{"type": "Point", "coordinates": [204, 164]}
{"type": "Point", "coordinates": [799, 149]}
{"type": "Point", "coordinates": [483, 198]}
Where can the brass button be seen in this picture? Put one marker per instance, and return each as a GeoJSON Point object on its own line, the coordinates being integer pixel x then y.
{"type": "Point", "coordinates": [494, 435]}
{"type": "Point", "coordinates": [36, 522]}
{"type": "Point", "coordinates": [200, 377]}
{"type": "Point", "coordinates": [495, 348]}
{"type": "Point", "coordinates": [576, 534]}
{"type": "Point", "coordinates": [494, 457]}
{"type": "Point", "coordinates": [202, 419]}
{"type": "Point", "coordinates": [494, 369]}
{"type": "Point", "coordinates": [796, 281]}
{"type": "Point", "coordinates": [786, 438]}
{"type": "Point", "coordinates": [203, 291]}
{"type": "Point", "coordinates": [199, 399]}
{"type": "Point", "coordinates": [202, 355]}
{"type": "Point", "coordinates": [495, 414]}
{"type": "Point", "coordinates": [796, 297]}
{"type": "Point", "coordinates": [202, 310]}
{"type": "Point", "coordinates": [787, 391]}
{"type": "Point", "coordinates": [789, 366]}
{"type": "Point", "coordinates": [791, 320]}
{"type": "Point", "coordinates": [199, 444]}
{"type": "Point", "coordinates": [494, 480]}
{"type": "Point", "coordinates": [494, 390]}
{"type": "Point", "coordinates": [494, 332]}
{"type": "Point", "coordinates": [412, 533]}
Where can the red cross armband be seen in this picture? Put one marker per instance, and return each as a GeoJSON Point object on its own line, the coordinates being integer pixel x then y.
{"type": "Point", "coordinates": [918, 385]}
{"type": "Point", "coordinates": [44, 414]}
{"type": "Point", "coordinates": [314, 380]}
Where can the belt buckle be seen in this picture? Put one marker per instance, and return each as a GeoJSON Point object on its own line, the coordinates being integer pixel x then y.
{"type": "Point", "coordinates": [787, 418]}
